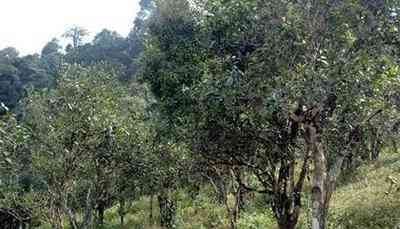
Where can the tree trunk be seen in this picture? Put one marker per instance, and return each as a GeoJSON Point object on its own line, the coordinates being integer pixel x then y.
{"type": "Point", "coordinates": [194, 191]}
{"type": "Point", "coordinates": [287, 224]}
{"type": "Point", "coordinates": [232, 221]}
{"type": "Point", "coordinates": [100, 214]}
{"type": "Point", "coordinates": [121, 212]}
{"type": "Point", "coordinates": [323, 184]}
{"type": "Point", "coordinates": [233, 213]}
{"type": "Point", "coordinates": [318, 191]}
{"type": "Point", "coordinates": [73, 224]}
{"type": "Point", "coordinates": [151, 209]}
{"type": "Point", "coordinates": [88, 216]}
{"type": "Point", "coordinates": [238, 192]}
{"type": "Point", "coordinates": [121, 220]}
{"type": "Point", "coordinates": [377, 149]}
{"type": "Point", "coordinates": [286, 210]}
{"type": "Point", "coordinates": [394, 145]}
{"type": "Point", "coordinates": [220, 189]}
{"type": "Point", "coordinates": [167, 210]}
{"type": "Point", "coordinates": [55, 216]}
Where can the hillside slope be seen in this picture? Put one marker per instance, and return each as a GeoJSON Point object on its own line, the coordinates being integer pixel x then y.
{"type": "Point", "coordinates": [370, 198]}
{"type": "Point", "coordinates": [366, 199]}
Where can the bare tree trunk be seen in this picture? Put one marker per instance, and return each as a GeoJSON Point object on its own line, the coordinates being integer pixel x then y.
{"type": "Point", "coordinates": [121, 211]}
{"type": "Point", "coordinates": [290, 211]}
{"type": "Point", "coordinates": [323, 184]}
{"type": "Point", "coordinates": [217, 183]}
{"type": "Point", "coordinates": [318, 191]}
{"type": "Point", "coordinates": [238, 191]}
{"type": "Point", "coordinates": [56, 217]}
{"type": "Point", "coordinates": [100, 214]}
{"type": "Point", "coordinates": [394, 145]}
{"type": "Point", "coordinates": [287, 224]}
{"type": "Point", "coordinates": [71, 218]}
{"type": "Point", "coordinates": [151, 209]}
{"type": "Point", "coordinates": [167, 210]}
{"type": "Point", "coordinates": [233, 211]}
{"type": "Point", "coordinates": [228, 180]}
{"type": "Point", "coordinates": [87, 219]}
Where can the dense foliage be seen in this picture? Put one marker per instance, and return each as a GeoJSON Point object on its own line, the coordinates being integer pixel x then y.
{"type": "Point", "coordinates": [254, 104]}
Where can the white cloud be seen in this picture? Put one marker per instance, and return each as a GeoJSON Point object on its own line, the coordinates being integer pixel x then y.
{"type": "Point", "coordinates": [29, 24]}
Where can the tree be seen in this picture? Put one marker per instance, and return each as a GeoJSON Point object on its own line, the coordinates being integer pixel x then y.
{"type": "Point", "coordinates": [313, 86]}
{"type": "Point", "coordinates": [51, 47]}
{"type": "Point", "coordinates": [137, 36]}
{"type": "Point", "coordinates": [75, 131]}
{"type": "Point", "coordinates": [10, 84]}
{"type": "Point", "coordinates": [255, 106]}
{"type": "Point", "coordinates": [9, 53]}
{"type": "Point", "coordinates": [19, 74]}
{"type": "Point", "coordinates": [169, 165]}
{"type": "Point", "coordinates": [32, 73]}
{"type": "Point", "coordinates": [51, 57]}
{"type": "Point", "coordinates": [76, 34]}
{"type": "Point", "coordinates": [16, 173]}
{"type": "Point", "coordinates": [106, 47]}
{"type": "Point", "coordinates": [14, 139]}
{"type": "Point", "coordinates": [172, 60]}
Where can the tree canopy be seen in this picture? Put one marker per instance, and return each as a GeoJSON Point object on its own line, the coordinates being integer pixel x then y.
{"type": "Point", "coordinates": [266, 105]}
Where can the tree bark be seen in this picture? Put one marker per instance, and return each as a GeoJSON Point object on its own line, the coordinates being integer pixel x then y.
{"type": "Point", "coordinates": [324, 181]}
{"type": "Point", "coordinates": [394, 145]}
{"type": "Point", "coordinates": [100, 214]}
{"type": "Point", "coordinates": [287, 224]}
{"type": "Point", "coordinates": [121, 211]}
{"type": "Point", "coordinates": [88, 213]}
{"type": "Point", "coordinates": [233, 212]}
{"type": "Point", "coordinates": [87, 217]}
{"type": "Point", "coordinates": [218, 184]}
{"type": "Point", "coordinates": [151, 209]}
{"type": "Point", "coordinates": [220, 189]}
{"type": "Point", "coordinates": [289, 209]}
{"type": "Point", "coordinates": [167, 210]}
{"type": "Point", "coordinates": [318, 191]}
{"type": "Point", "coordinates": [72, 219]}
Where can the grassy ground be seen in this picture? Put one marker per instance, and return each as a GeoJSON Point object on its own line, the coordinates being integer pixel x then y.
{"type": "Point", "coordinates": [366, 199]}
{"type": "Point", "coordinates": [371, 197]}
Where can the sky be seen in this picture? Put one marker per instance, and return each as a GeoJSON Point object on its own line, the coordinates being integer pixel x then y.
{"type": "Point", "coordinates": [28, 25]}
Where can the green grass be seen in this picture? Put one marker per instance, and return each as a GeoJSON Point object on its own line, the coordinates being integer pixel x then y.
{"type": "Point", "coordinates": [368, 200]}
